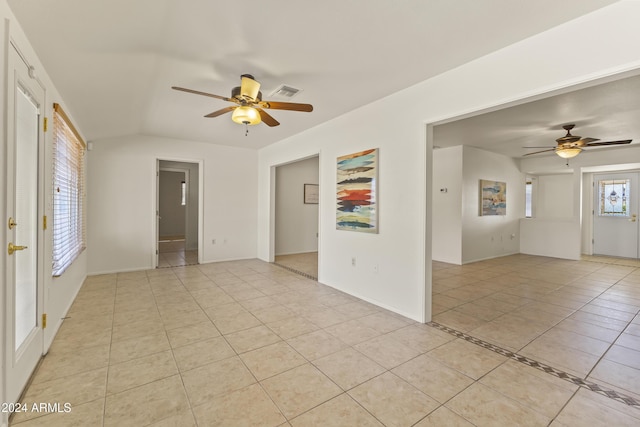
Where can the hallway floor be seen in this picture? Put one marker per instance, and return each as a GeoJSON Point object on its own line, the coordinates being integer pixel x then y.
{"type": "Point", "coordinates": [519, 340]}
{"type": "Point", "coordinates": [303, 263]}
{"type": "Point", "coordinates": [172, 253]}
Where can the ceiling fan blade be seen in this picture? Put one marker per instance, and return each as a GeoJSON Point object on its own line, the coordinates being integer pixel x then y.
{"type": "Point", "coordinates": [267, 119]}
{"type": "Point", "coordinates": [249, 88]}
{"type": "Point", "coordinates": [197, 92]}
{"type": "Point", "coordinates": [220, 112]}
{"type": "Point", "coordinates": [586, 141]}
{"type": "Point", "coordinates": [538, 152]}
{"type": "Point", "coordinates": [291, 106]}
{"type": "Point", "coordinates": [595, 144]}
{"type": "Point", "coordinates": [545, 146]}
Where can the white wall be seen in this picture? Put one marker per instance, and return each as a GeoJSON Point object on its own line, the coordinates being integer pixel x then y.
{"type": "Point", "coordinates": [58, 292]}
{"type": "Point", "coordinates": [121, 187]}
{"type": "Point", "coordinates": [568, 237]}
{"type": "Point", "coordinates": [586, 246]}
{"type": "Point", "coordinates": [555, 199]}
{"type": "Point", "coordinates": [559, 238]}
{"type": "Point", "coordinates": [460, 234]}
{"type": "Point", "coordinates": [447, 206]}
{"type": "Point", "coordinates": [514, 73]}
{"type": "Point", "coordinates": [554, 229]}
{"type": "Point", "coordinates": [492, 236]}
{"type": "Point", "coordinates": [398, 249]}
{"type": "Point", "coordinates": [172, 212]}
{"type": "Point", "coordinates": [296, 222]}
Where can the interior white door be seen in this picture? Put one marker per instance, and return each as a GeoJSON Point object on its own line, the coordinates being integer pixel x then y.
{"type": "Point", "coordinates": [24, 337]}
{"type": "Point", "coordinates": [615, 214]}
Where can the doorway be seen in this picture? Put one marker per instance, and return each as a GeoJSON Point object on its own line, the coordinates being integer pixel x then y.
{"type": "Point", "coordinates": [297, 216]}
{"type": "Point", "coordinates": [615, 214]}
{"type": "Point", "coordinates": [178, 212]}
{"type": "Point", "coordinates": [24, 338]}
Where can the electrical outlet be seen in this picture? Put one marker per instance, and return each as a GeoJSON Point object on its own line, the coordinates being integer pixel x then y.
{"type": "Point", "coordinates": [213, 241]}
{"type": "Point", "coordinates": [353, 261]}
{"type": "Point", "coordinates": [375, 268]}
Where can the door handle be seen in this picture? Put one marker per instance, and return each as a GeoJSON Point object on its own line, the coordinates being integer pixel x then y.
{"type": "Point", "coordinates": [12, 248]}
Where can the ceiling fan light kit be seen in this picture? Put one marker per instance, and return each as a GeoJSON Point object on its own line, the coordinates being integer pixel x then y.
{"type": "Point", "coordinates": [568, 153]}
{"type": "Point", "coordinates": [250, 108]}
{"type": "Point", "coordinates": [246, 116]}
{"type": "Point", "coordinates": [570, 146]}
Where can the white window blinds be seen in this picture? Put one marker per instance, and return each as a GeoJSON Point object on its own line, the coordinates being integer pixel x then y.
{"type": "Point", "coordinates": [68, 192]}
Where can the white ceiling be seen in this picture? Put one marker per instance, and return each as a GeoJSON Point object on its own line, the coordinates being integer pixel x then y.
{"type": "Point", "coordinates": [608, 111]}
{"type": "Point", "coordinates": [114, 61]}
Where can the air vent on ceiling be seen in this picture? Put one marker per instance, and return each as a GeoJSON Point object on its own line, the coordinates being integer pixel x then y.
{"type": "Point", "coordinates": [286, 91]}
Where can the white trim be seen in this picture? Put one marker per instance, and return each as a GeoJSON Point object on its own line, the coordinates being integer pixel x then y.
{"type": "Point", "coordinates": [200, 163]}
{"type": "Point", "coordinates": [426, 234]}
{"type": "Point", "coordinates": [272, 206]}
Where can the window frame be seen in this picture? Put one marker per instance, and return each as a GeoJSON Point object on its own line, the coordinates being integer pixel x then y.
{"type": "Point", "coordinates": [528, 198]}
{"type": "Point", "coordinates": [68, 188]}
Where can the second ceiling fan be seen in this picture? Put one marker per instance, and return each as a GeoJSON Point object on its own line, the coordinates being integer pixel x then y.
{"type": "Point", "coordinates": [249, 108]}
{"type": "Point", "coordinates": [571, 145]}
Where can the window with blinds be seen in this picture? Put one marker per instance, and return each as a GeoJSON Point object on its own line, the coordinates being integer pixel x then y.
{"type": "Point", "coordinates": [68, 192]}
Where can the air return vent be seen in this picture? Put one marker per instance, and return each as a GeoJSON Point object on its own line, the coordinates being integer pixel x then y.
{"type": "Point", "coordinates": [286, 91]}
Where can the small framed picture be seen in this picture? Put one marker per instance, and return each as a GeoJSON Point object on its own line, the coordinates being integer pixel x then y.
{"type": "Point", "coordinates": [311, 193]}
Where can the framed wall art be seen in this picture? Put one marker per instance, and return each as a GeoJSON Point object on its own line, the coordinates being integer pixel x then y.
{"type": "Point", "coordinates": [493, 198]}
{"type": "Point", "coordinates": [311, 194]}
{"type": "Point", "coordinates": [356, 192]}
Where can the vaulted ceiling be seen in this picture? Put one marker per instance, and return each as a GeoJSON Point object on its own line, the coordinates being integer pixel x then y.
{"type": "Point", "coordinates": [114, 61]}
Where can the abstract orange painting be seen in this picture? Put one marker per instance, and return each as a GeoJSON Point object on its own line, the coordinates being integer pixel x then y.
{"type": "Point", "coordinates": [356, 192]}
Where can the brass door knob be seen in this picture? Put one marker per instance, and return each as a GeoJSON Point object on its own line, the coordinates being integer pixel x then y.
{"type": "Point", "coordinates": [12, 248]}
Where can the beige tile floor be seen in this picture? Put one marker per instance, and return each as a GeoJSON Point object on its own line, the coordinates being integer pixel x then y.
{"type": "Point", "coordinates": [172, 253]}
{"type": "Point", "coordinates": [305, 263]}
{"type": "Point", "coordinates": [250, 343]}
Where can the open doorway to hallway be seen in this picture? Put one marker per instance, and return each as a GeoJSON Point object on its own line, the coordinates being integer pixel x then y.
{"type": "Point", "coordinates": [177, 214]}
{"type": "Point", "coordinates": [296, 216]}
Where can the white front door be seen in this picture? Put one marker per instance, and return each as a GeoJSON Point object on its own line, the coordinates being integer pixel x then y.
{"type": "Point", "coordinates": [24, 303]}
{"type": "Point", "coordinates": [615, 214]}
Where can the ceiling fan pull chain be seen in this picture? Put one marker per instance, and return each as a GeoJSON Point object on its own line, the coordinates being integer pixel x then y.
{"type": "Point", "coordinates": [246, 129]}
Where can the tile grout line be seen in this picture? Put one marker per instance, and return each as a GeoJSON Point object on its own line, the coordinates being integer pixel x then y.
{"type": "Point", "coordinates": [171, 348]}
{"type": "Point", "coordinates": [293, 270]}
{"type": "Point", "coordinates": [522, 359]}
{"type": "Point", "coordinates": [519, 358]}
{"type": "Point", "coordinates": [540, 366]}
